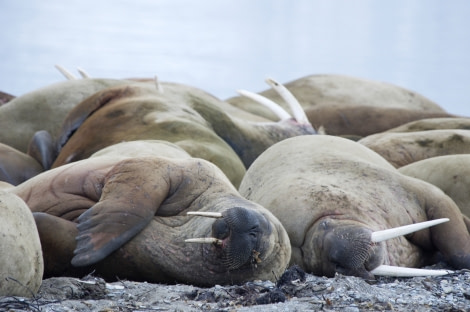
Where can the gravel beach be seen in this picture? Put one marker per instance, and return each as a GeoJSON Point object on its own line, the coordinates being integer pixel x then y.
{"type": "Point", "coordinates": [294, 291]}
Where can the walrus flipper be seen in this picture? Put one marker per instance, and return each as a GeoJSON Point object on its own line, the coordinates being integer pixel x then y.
{"type": "Point", "coordinates": [131, 196]}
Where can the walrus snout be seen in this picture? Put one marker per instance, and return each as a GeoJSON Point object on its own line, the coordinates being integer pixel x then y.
{"type": "Point", "coordinates": [350, 251]}
{"type": "Point", "coordinates": [238, 233]}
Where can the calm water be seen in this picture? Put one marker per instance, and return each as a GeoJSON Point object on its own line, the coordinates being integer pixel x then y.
{"type": "Point", "coordinates": [221, 46]}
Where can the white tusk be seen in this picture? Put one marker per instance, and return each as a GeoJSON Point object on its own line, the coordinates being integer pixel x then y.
{"type": "Point", "coordinates": [204, 240]}
{"type": "Point", "coordinates": [273, 106]}
{"type": "Point", "coordinates": [388, 270]}
{"type": "Point", "coordinates": [380, 236]}
{"type": "Point", "coordinates": [65, 72]}
{"type": "Point", "coordinates": [290, 99]}
{"type": "Point", "coordinates": [158, 85]}
{"type": "Point", "coordinates": [83, 73]}
{"type": "Point", "coordinates": [205, 214]}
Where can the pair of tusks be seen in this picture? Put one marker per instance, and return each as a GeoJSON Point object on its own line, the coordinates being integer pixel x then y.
{"type": "Point", "coordinates": [69, 76]}
{"type": "Point", "coordinates": [376, 237]}
{"type": "Point", "coordinates": [289, 98]}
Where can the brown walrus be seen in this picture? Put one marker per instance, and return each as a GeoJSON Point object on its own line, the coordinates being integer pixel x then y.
{"type": "Point", "coordinates": [361, 121]}
{"type": "Point", "coordinates": [331, 194]}
{"type": "Point", "coordinates": [196, 121]}
{"type": "Point", "coordinates": [451, 173]}
{"type": "Point", "coordinates": [403, 148]}
{"type": "Point", "coordinates": [126, 218]}
{"type": "Point", "coordinates": [342, 91]}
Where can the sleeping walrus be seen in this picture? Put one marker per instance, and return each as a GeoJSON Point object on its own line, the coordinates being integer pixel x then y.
{"type": "Point", "coordinates": [127, 217]}
{"type": "Point", "coordinates": [331, 194]}
{"type": "Point", "coordinates": [201, 124]}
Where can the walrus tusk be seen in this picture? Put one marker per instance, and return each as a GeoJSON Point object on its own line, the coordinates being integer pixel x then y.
{"type": "Point", "coordinates": [380, 236]}
{"type": "Point", "coordinates": [83, 73]}
{"type": "Point", "coordinates": [273, 106]}
{"type": "Point", "coordinates": [204, 240]}
{"type": "Point", "coordinates": [205, 214]}
{"type": "Point", "coordinates": [387, 270]}
{"type": "Point", "coordinates": [158, 84]}
{"type": "Point", "coordinates": [290, 99]}
{"type": "Point", "coordinates": [65, 72]}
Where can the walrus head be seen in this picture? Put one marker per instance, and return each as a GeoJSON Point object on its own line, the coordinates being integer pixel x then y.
{"type": "Point", "coordinates": [237, 235]}
{"type": "Point", "coordinates": [350, 248]}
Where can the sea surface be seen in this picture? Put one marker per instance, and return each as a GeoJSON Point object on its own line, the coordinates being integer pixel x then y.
{"type": "Point", "coordinates": [221, 46]}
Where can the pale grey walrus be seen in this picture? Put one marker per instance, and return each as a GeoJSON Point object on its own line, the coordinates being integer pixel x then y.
{"type": "Point", "coordinates": [331, 194]}
{"type": "Point", "coordinates": [451, 173]}
{"type": "Point", "coordinates": [403, 148]}
{"type": "Point", "coordinates": [21, 263]}
{"type": "Point", "coordinates": [126, 217]}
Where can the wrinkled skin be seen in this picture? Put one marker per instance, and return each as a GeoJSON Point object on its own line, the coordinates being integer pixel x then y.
{"type": "Point", "coordinates": [403, 148]}
{"type": "Point", "coordinates": [126, 218]}
{"type": "Point", "coordinates": [197, 122]}
{"type": "Point", "coordinates": [331, 193]}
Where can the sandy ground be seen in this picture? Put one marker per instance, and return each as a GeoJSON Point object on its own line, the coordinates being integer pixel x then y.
{"type": "Point", "coordinates": [294, 291]}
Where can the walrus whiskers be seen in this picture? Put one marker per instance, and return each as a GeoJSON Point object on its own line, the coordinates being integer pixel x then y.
{"type": "Point", "coordinates": [387, 270]}
{"type": "Point", "coordinates": [290, 99]}
{"type": "Point", "coordinates": [204, 240]}
{"type": "Point", "coordinates": [205, 214]}
{"type": "Point", "coordinates": [380, 236]}
{"type": "Point", "coordinates": [273, 106]}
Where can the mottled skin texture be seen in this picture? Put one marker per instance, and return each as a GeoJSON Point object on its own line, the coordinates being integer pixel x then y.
{"type": "Point", "coordinates": [330, 193]}
{"type": "Point", "coordinates": [127, 218]}
{"type": "Point", "coordinates": [451, 173]}
{"type": "Point", "coordinates": [403, 148]}
{"type": "Point", "coordinates": [197, 122]}
{"type": "Point", "coordinates": [342, 91]}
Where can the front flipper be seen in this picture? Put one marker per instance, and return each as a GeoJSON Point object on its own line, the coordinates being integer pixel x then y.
{"type": "Point", "coordinates": [133, 191]}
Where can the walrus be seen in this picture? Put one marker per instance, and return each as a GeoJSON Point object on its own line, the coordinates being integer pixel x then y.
{"type": "Point", "coordinates": [45, 109]}
{"type": "Point", "coordinates": [127, 218]}
{"type": "Point", "coordinates": [451, 173]}
{"type": "Point", "coordinates": [359, 121]}
{"type": "Point", "coordinates": [341, 91]}
{"type": "Point", "coordinates": [201, 124]}
{"type": "Point", "coordinates": [434, 124]}
{"type": "Point", "coordinates": [403, 148]}
{"type": "Point", "coordinates": [21, 263]}
{"type": "Point", "coordinates": [331, 194]}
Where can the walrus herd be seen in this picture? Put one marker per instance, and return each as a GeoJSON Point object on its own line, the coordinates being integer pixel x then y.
{"type": "Point", "coordinates": [163, 182]}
